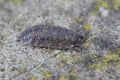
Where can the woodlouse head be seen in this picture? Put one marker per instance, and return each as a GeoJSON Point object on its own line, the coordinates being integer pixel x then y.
{"type": "Point", "coordinates": [26, 37]}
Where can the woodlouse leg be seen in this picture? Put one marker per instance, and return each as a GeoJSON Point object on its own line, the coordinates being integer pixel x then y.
{"type": "Point", "coordinates": [77, 49]}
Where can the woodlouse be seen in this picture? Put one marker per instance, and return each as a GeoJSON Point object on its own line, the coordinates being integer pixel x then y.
{"type": "Point", "coordinates": [51, 37]}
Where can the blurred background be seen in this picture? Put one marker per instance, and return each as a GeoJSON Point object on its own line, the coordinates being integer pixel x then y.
{"type": "Point", "coordinates": [97, 20]}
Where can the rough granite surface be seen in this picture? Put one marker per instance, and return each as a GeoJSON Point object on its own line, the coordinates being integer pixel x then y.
{"type": "Point", "coordinates": [97, 20]}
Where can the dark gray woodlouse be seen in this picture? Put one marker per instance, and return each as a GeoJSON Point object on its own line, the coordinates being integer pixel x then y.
{"type": "Point", "coordinates": [51, 37]}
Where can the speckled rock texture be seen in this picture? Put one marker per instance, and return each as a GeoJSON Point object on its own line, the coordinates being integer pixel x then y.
{"type": "Point", "coordinates": [97, 20]}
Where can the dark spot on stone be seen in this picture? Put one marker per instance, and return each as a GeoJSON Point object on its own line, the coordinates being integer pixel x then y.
{"type": "Point", "coordinates": [14, 68]}
{"type": "Point", "coordinates": [2, 70]}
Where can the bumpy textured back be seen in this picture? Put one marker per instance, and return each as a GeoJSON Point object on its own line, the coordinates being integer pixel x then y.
{"type": "Point", "coordinates": [50, 37]}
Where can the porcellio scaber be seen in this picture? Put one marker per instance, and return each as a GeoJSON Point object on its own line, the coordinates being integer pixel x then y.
{"type": "Point", "coordinates": [51, 37]}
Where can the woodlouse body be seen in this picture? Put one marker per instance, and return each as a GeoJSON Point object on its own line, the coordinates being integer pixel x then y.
{"type": "Point", "coordinates": [50, 37]}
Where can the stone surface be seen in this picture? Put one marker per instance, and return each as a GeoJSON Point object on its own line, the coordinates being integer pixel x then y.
{"type": "Point", "coordinates": [98, 59]}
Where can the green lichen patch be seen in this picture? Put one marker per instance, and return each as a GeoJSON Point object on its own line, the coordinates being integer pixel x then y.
{"type": "Point", "coordinates": [115, 4]}
{"type": "Point", "coordinates": [79, 19]}
{"type": "Point", "coordinates": [33, 78]}
{"type": "Point", "coordinates": [87, 27]}
{"type": "Point", "coordinates": [68, 58]}
{"type": "Point", "coordinates": [64, 78]}
{"type": "Point", "coordinates": [17, 1]}
{"type": "Point", "coordinates": [111, 5]}
{"type": "Point", "coordinates": [102, 63]}
{"type": "Point", "coordinates": [48, 75]}
{"type": "Point", "coordinates": [102, 3]}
